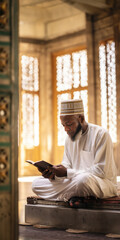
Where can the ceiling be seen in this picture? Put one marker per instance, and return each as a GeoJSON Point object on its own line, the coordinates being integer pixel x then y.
{"type": "Point", "coordinates": [48, 19]}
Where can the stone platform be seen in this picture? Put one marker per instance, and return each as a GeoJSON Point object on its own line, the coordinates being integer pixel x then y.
{"type": "Point", "coordinates": [92, 217]}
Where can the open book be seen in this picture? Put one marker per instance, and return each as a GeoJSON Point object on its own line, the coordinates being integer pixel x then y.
{"type": "Point", "coordinates": [41, 165]}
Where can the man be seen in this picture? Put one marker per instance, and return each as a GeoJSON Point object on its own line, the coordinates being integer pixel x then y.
{"type": "Point", "coordinates": [88, 167]}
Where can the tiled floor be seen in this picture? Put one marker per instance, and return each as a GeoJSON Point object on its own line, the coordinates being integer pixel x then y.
{"type": "Point", "coordinates": [32, 233]}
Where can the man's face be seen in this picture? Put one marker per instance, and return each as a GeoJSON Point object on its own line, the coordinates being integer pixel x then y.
{"type": "Point", "coordinates": [71, 125]}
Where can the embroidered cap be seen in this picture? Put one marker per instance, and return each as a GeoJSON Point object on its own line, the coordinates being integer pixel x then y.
{"type": "Point", "coordinates": [71, 107]}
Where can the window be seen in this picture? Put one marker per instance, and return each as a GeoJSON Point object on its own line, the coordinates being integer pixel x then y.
{"type": "Point", "coordinates": [30, 102]}
{"type": "Point", "coordinates": [29, 111]}
{"type": "Point", "coordinates": [108, 87]}
{"type": "Point", "coordinates": [71, 82]}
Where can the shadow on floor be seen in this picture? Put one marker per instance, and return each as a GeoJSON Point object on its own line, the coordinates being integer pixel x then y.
{"type": "Point", "coordinates": [32, 233]}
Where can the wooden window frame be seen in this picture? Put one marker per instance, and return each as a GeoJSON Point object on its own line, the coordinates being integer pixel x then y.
{"type": "Point", "coordinates": [58, 150]}
{"type": "Point", "coordinates": [24, 168]}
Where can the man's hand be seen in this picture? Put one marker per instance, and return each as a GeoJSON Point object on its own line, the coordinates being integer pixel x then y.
{"type": "Point", "coordinates": [56, 170]}
{"type": "Point", "coordinates": [48, 173]}
{"type": "Point", "coordinates": [59, 170]}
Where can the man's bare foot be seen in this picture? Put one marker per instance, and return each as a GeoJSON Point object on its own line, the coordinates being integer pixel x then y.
{"type": "Point", "coordinates": [75, 202]}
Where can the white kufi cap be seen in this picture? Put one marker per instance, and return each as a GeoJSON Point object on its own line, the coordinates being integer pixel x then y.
{"type": "Point", "coordinates": [71, 107]}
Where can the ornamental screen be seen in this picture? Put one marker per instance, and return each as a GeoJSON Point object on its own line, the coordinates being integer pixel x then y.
{"type": "Point", "coordinates": [29, 102]}
{"type": "Point", "coordinates": [71, 83]}
{"type": "Point", "coordinates": [108, 87]}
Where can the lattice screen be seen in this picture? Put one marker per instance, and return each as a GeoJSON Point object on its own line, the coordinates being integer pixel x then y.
{"type": "Point", "coordinates": [71, 83]}
{"type": "Point", "coordinates": [30, 102]}
{"type": "Point", "coordinates": [108, 87]}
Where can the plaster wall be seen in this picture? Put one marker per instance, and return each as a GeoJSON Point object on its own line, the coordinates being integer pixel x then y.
{"type": "Point", "coordinates": [52, 29]}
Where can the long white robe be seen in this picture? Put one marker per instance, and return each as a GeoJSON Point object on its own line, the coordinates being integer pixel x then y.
{"type": "Point", "coordinates": [91, 169]}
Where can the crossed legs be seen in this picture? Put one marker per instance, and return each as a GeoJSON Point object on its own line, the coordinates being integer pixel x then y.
{"type": "Point", "coordinates": [62, 189]}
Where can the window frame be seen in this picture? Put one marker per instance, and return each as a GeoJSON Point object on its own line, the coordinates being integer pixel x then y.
{"type": "Point", "coordinates": [24, 168]}
{"type": "Point", "coordinates": [58, 150]}
{"type": "Point", "coordinates": [104, 42]}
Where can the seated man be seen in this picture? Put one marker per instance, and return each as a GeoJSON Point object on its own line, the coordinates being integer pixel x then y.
{"type": "Point", "coordinates": [88, 167]}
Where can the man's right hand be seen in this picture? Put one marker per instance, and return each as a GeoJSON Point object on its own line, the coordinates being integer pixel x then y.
{"type": "Point", "coordinates": [56, 170]}
{"type": "Point", "coordinates": [59, 170]}
{"type": "Point", "coordinates": [48, 174]}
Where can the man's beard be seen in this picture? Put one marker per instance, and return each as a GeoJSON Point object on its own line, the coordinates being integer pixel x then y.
{"type": "Point", "coordinates": [79, 128]}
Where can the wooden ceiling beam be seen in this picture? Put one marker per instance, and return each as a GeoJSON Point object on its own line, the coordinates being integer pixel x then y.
{"type": "Point", "coordinates": [94, 3]}
{"type": "Point", "coordinates": [91, 6]}
{"type": "Point", "coordinates": [83, 7]}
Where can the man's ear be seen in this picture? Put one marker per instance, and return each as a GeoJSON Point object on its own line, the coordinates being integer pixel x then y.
{"type": "Point", "coordinates": [81, 118]}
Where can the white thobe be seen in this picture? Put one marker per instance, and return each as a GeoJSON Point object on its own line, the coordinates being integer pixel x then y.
{"type": "Point", "coordinates": [91, 169]}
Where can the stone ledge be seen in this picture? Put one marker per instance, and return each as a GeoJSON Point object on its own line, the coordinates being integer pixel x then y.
{"type": "Point", "coordinates": [92, 220]}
